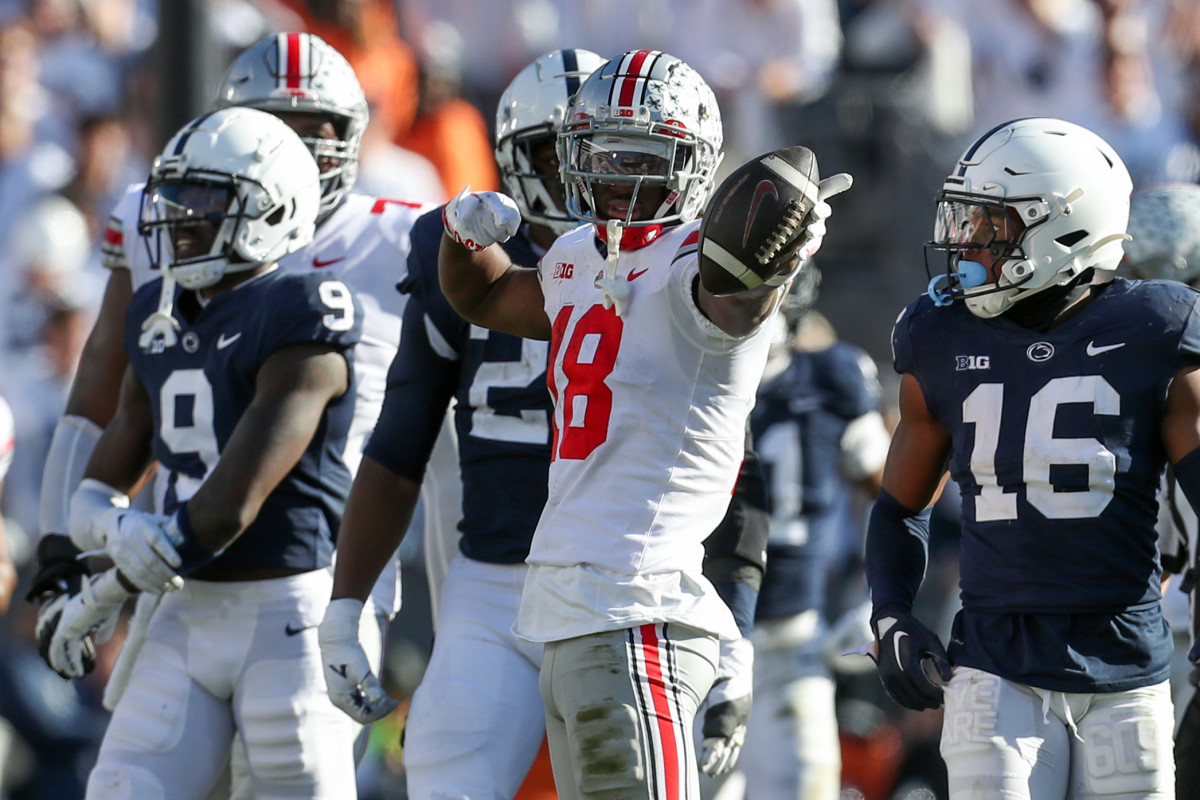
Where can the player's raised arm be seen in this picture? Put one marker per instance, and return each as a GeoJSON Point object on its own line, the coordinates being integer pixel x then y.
{"type": "Point", "coordinates": [764, 220]}
{"type": "Point", "coordinates": [478, 277]}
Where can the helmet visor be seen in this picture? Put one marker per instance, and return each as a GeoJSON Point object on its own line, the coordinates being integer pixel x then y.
{"type": "Point", "coordinates": [967, 224]}
{"type": "Point", "coordinates": [624, 156]}
{"type": "Point", "coordinates": [184, 218]}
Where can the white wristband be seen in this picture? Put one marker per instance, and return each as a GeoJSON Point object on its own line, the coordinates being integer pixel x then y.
{"type": "Point", "coordinates": [91, 500]}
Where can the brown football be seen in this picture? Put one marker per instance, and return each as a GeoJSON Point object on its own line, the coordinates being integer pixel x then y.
{"type": "Point", "coordinates": [755, 221]}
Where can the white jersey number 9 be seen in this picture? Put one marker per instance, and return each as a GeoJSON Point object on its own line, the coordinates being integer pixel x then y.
{"type": "Point", "coordinates": [336, 295]}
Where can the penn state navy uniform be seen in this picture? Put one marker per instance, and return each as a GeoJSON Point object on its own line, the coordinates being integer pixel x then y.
{"type": "Point", "coordinates": [1057, 453]}
{"type": "Point", "coordinates": [480, 676]}
{"type": "Point", "coordinates": [502, 412]}
{"type": "Point", "coordinates": [798, 422]}
{"type": "Point", "coordinates": [199, 389]}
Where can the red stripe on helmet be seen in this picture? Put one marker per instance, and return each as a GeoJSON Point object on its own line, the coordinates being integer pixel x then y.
{"type": "Point", "coordinates": [628, 86]}
{"type": "Point", "coordinates": [293, 61]}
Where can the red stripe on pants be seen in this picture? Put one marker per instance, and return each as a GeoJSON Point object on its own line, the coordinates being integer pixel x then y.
{"type": "Point", "coordinates": [662, 712]}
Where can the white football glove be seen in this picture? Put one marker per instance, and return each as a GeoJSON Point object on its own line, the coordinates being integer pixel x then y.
{"type": "Point", "coordinates": [833, 185]}
{"type": "Point", "coordinates": [351, 685]}
{"type": "Point", "coordinates": [142, 546]}
{"type": "Point", "coordinates": [479, 219]}
{"type": "Point", "coordinates": [69, 628]}
{"type": "Point", "coordinates": [728, 702]}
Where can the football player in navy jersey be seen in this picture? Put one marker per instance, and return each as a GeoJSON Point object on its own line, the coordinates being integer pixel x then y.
{"type": "Point", "coordinates": [477, 718]}
{"type": "Point", "coordinates": [311, 86]}
{"type": "Point", "coordinates": [820, 435]}
{"type": "Point", "coordinates": [248, 413]}
{"type": "Point", "coordinates": [1054, 399]}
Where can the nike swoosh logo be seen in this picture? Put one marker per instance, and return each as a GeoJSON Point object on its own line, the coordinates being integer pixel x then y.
{"type": "Point", "coordinates": [764, 188]}
{"type": "Point", "coordinates": [318, 263]}
{"type": "Point", "coordinates": [1093, 350]}
{"type": "Point", "coordinates": [340, 669]}
{"type": "Point", "coordinates": [224, 341]}
{"type": "Point", "coordinates": [291, 630]}
{"type": "Point", "coordinates": [634, 274]}
{"type": "Point", "coordinates": [896, 644]}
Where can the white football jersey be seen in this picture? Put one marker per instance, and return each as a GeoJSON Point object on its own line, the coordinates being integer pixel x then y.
{"type": "Point", "coordinates": [649, 433]}
{"type": "Point", "coordinates": [365, 242]}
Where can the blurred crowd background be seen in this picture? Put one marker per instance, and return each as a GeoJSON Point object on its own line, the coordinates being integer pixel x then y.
{"type": "Point", "coordinates": [888, 90]}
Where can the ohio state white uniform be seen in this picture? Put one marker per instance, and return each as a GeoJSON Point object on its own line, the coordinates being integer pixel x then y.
{"type": "Point", "coordinates": [364, 242]}
{"type": "Point", "coordinates": [649, 426]}
{"type": "Point", "coordinates": [650, 410]}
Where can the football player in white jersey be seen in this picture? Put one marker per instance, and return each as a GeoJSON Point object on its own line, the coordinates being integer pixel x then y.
{"type": "Point", "coordinates": [652, 379]}
{"type": "Point", "coordinates": [247, 413]}
{"type": "Point", "coordinates": [476, 721]}
{"type": "Point", "coordinates": [308, 84]}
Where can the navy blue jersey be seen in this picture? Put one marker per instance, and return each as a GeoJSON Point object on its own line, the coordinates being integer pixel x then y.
{"type": "Point", "coordinates": [1057, 454]}
{"type": "Point", "coordinates": [502, 406]}
{"type": "Point", "coordinates": [798, 422]}
{"type": "Point", "coordinates": [200, 387]}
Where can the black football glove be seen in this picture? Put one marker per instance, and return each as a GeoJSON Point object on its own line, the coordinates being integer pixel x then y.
{"type": "Point", "coordinates": [904, 646]}
{"type": "Point", "coordinates": [60, 572]}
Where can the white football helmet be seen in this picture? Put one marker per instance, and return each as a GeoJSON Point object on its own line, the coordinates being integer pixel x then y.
{"type": "Point", "coordinates": [1165, 225]}
{"type": "Point", "coordinates": [232, 190]}
{"type": "Point", "coordinates": [1048, 197]}
{"type": "Point", "coordinates": [300, 72]}
{"type": "Point", "coordinates": [651, 108]}
{"type": "Point", "coordinates": [530, 113]}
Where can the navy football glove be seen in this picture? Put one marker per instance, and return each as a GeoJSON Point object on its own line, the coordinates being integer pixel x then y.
{"type": "Point", "coordinates": [904, 646]}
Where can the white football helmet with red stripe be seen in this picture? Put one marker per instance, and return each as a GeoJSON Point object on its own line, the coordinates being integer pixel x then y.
{"type": "Point", "coordinates": [300, 72]}
{"type": "Point", "coordinates": [530, 113]}
{"type": "Point", "coordinates": [648, 107]}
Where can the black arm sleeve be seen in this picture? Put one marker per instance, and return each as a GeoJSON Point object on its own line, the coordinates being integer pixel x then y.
{"type": "Point", "coordinates": [736, 551]}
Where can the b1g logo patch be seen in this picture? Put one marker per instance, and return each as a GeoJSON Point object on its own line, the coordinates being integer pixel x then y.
{"type": "Point", "coordinates": [972, 362]}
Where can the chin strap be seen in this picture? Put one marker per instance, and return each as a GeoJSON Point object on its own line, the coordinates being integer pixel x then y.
{"type": "Point", "coordinates": [616, 292]}
{"type": "Point", "coordinates": [161, 323]}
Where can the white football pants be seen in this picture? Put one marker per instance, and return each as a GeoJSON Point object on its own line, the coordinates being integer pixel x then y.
{"type": "Point", "coordinates": [1007, 740]}
{"type": "Point", "coordinates": [226, 657]}
{"type": "Point", "coordinates": [792, 750]}
{"type": "Point", "coordinates": [477, 720]}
